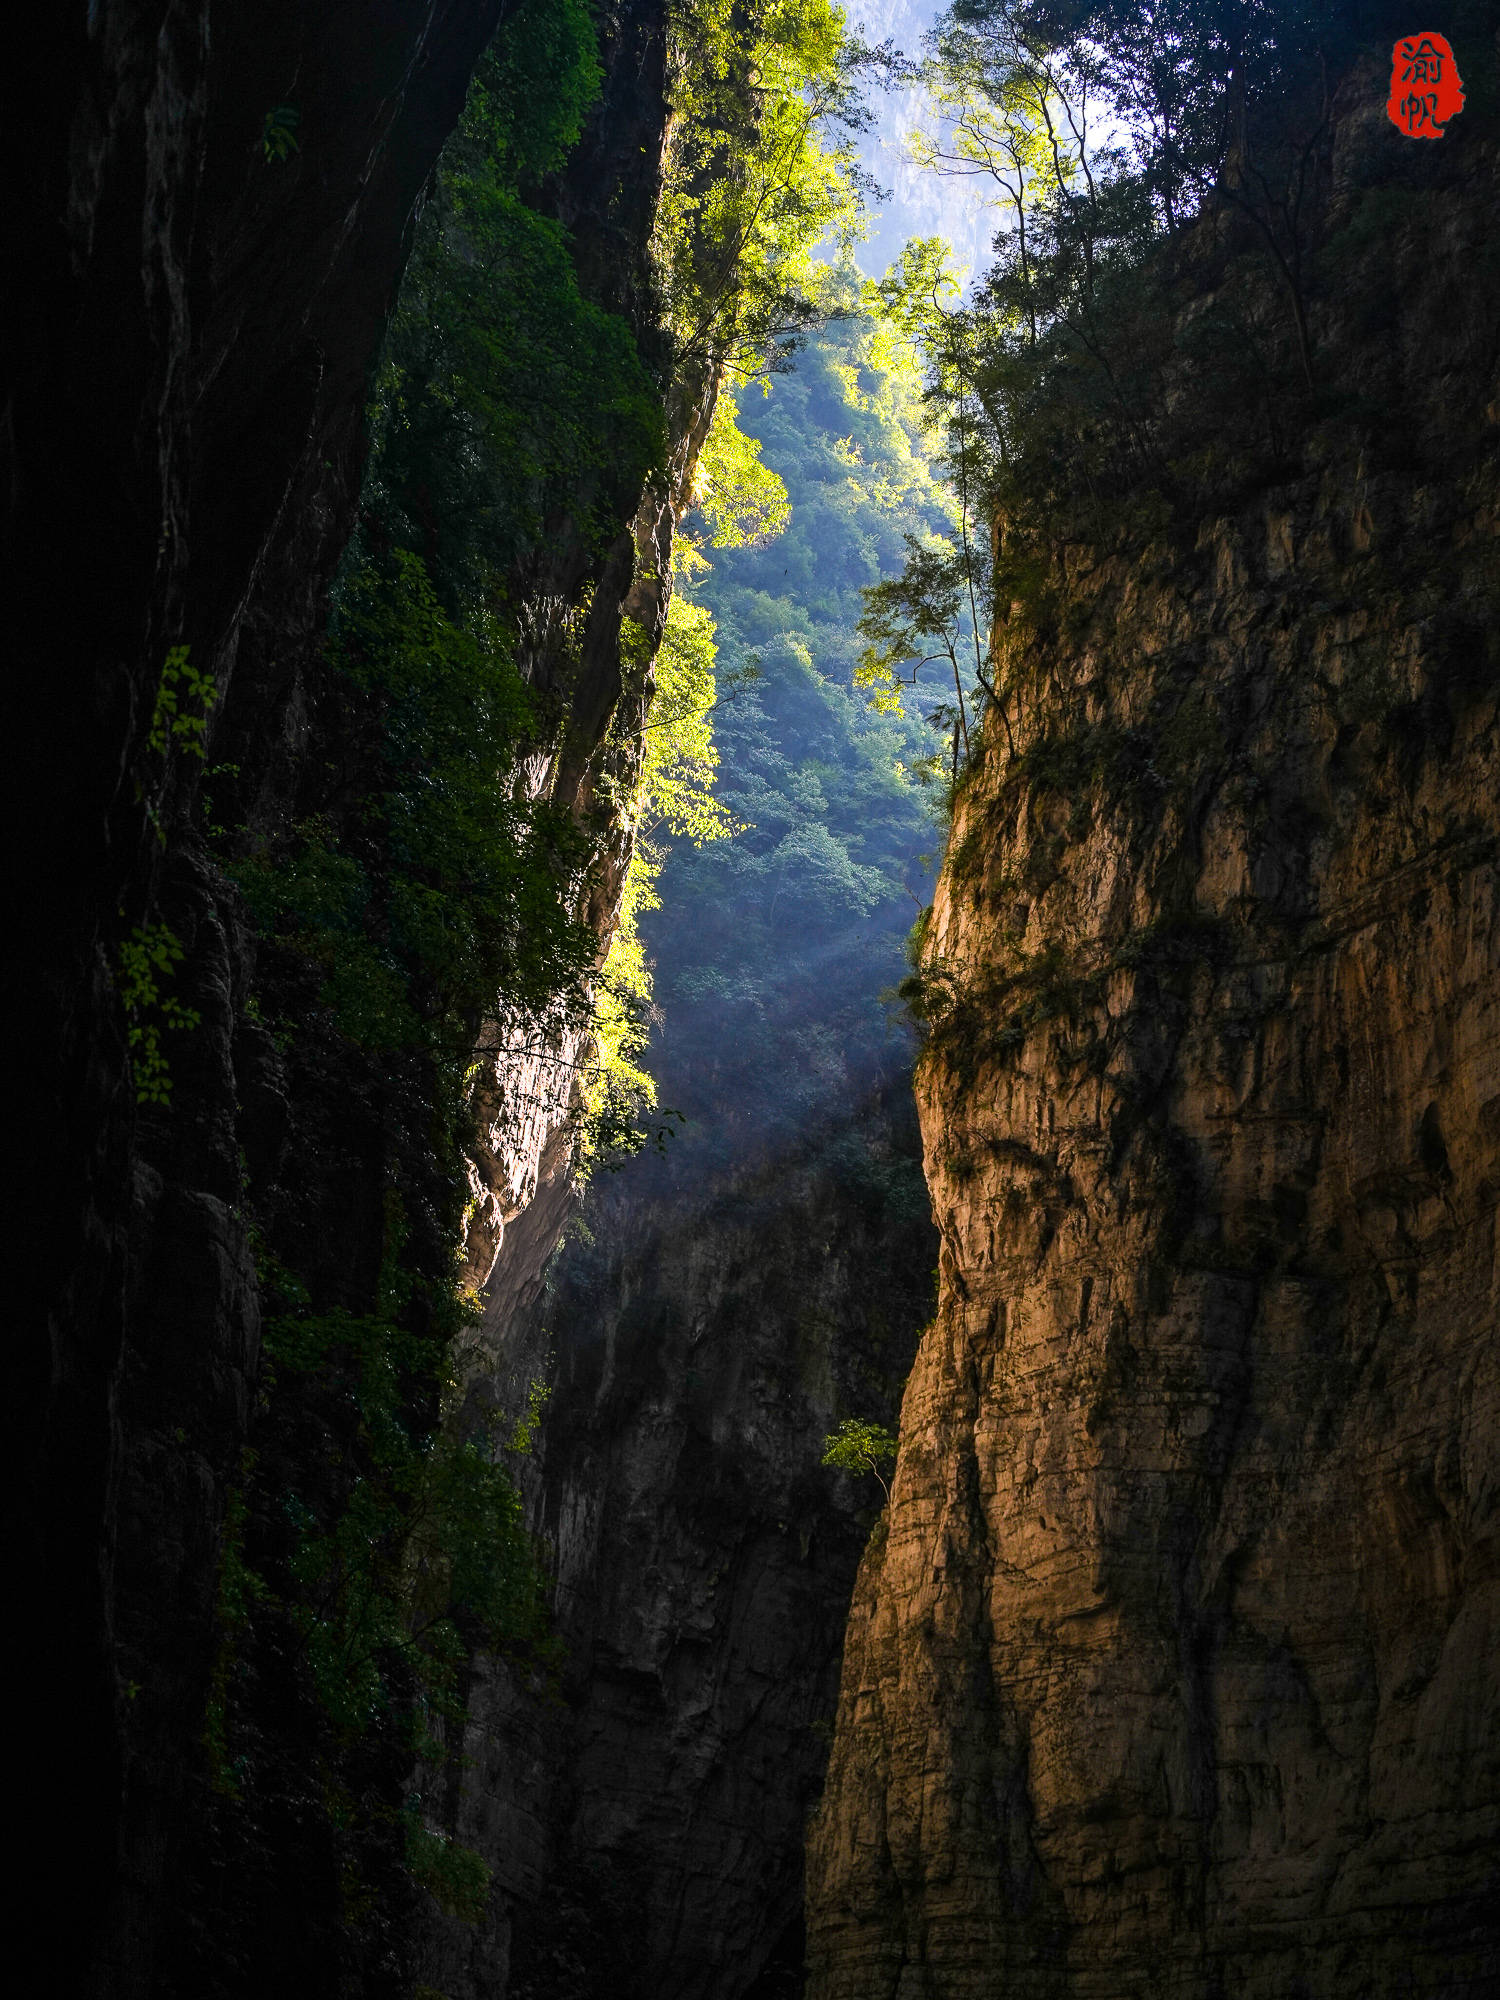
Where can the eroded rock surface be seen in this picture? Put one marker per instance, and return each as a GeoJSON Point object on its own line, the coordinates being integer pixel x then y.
{"type": "Point", "coordinates": [1176, 1673]}
{"type": "Point", "coordinates": [213, 212]}
{"type": "Point", "coordinates": [645, 1814]}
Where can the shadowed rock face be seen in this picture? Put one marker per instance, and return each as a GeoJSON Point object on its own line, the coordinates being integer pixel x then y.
{"type": "Point", "coordinates": [1177, 1671]}
{"type": "Point", "coordinates": [187, 340]}
{"type": "Point", "coordinates": [187, 356]}
{"type": "Point", "coordinates": [645, 1817]}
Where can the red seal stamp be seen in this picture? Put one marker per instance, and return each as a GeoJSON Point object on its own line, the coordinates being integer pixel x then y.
{"type": "Point", "coordinates": [1426, 88]}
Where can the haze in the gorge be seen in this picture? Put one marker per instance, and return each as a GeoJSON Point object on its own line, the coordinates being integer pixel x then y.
{"type": "Point", "coordinates": [921, 202]}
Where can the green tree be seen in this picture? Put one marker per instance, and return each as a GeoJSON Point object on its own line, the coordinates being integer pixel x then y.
{"type": "Point", "coordinates": [860, 1446]}
{"type": "Point", "coordinates": [772, 948]}
{"type": "Point", "coordinates": [761, 172]}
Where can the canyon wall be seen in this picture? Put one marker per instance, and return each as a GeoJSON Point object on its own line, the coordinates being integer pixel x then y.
{"type": "Point", "coordinates": [212, 213]}
{"type": "Point", "coordinates": [643, 1802]}
{"type": "Point", "coordinates": [1172, 1670]}
{"type": "Point", "coordinates": [188, 338]}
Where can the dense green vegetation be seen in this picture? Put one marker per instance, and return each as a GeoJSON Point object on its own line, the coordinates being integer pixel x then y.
{"type": "Point", "coordinates": [1144, 158]}
{"type": "Point", "coordinates": [508, 408]}
{"type": "Point", "coordinates": [415, 891]}
{"type": "Point", "coordinates": [761, 172]}
{"type": "Point", "coordinates": [774, 947]}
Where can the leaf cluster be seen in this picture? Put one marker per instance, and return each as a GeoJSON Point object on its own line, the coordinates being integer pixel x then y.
{"type": "Point", "coordinates": [862, 1447]}
{"type": "Point", "coordinates": [185, 695]}
{"type": "Point", "coordinates": [761, 171]}
{"type": "Point", "coordinates": [149, 956]}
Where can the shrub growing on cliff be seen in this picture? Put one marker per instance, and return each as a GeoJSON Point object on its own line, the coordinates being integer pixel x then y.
{"type": "Point", "coordinates": [509, 407]}
{"type": "Point", "coordinates": [146, 960]}
{"type": "Point", "coordinates": [440, 889]}
{"type": "Point", "coordinates": [860, 1446]}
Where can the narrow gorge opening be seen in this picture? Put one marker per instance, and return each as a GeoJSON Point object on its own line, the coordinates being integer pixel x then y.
{"type": "Point", "coordinates": [755, 980]}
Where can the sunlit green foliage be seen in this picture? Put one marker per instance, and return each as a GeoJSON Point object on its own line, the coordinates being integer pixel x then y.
{"type": "Point", "coordinates": [674, 797]}
{"type": "Point", "coordinates": [680, 761]}
{"type": "Point", "coordinates": [742, 501]}
{"type": "Point", "coordinates": [773, 947]}
{"type": "Point", "coordinates": [860, 1446]}
{"type": "Point", "coordinates": [761, 169]}
{"type": "Point", "coordinates": [743, 504]}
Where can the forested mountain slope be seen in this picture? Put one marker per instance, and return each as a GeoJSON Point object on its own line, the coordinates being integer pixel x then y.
{"type": "Point", "coordinates": [773, 948]}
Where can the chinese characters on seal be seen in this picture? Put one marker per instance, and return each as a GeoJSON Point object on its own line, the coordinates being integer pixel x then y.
{"type": "Point", "coordinates": [1426, 88]}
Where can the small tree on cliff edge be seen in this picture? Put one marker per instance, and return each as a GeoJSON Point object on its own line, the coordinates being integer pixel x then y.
{"type": "Point", "coordinates": [857, 1446]}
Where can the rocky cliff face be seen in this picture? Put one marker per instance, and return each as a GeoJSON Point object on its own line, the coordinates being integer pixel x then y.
{"type": "Point", "coordinates": [644, 1812]}
{"type": "Point", "coordinates": [1175, 1672]}
{"type": "Point", "coordinates": [712, 1315]}
{"type": "Point", "coordinates": [187, 345]}
{"type": "Point", "coordinates": [213, 216]}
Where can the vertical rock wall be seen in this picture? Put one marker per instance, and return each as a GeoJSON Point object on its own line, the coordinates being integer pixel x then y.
{"type": "Point", "coordinates": [1177, 1670]}
{"type": "Point", "coordinates": [187, 336]}
{"type": "Point", "coordinates": [644, 1807]}
{"type": "Point", "coordinates": [187, 346]}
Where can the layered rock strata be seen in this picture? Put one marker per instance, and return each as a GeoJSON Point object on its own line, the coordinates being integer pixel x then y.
{"type": "Point", "coordinates": [1175, 1667]}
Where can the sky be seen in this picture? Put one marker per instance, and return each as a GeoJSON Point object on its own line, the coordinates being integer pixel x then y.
{"type": "Point", "coordinates": [922, 203]}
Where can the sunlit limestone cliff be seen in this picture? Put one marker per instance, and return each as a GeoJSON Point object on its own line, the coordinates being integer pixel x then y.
{"type": "Point", "coordinates": [1173, 1669]}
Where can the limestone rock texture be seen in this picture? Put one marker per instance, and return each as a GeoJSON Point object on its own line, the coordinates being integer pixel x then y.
{"type": "Point", "coordinates": [643, 1803]}
{"type": "Point", "coordinates": [527, 1088]}
{"type": "Point", "coordinates": [1174, 1669]}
